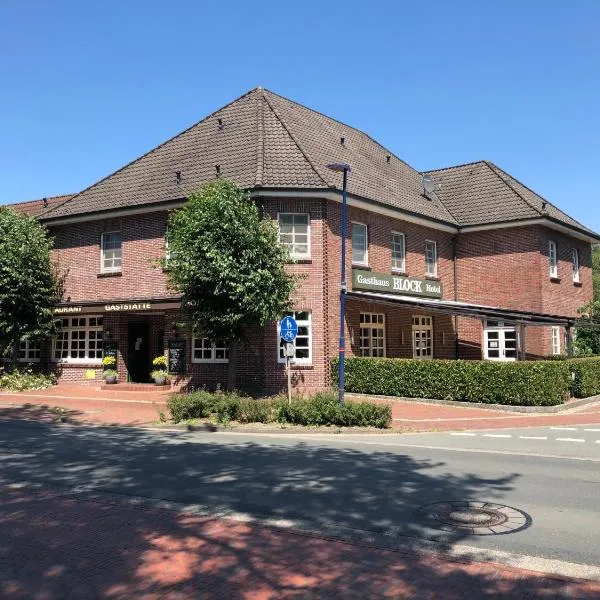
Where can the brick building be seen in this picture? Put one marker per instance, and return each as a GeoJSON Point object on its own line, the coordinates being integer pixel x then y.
{"type": "Point", "coordinates": [463, 262]}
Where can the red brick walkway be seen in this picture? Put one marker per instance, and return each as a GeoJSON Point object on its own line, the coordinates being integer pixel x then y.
{"type": "Point", "coordinates": [122, 407]}
{"type": "Point", "coordinates": [57, 546]}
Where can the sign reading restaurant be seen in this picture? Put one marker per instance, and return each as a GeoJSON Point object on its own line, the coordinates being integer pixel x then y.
{"type": "Point", "coordinates": [67, 309]}
{"type": "Point", "coordinates": [395, 284]}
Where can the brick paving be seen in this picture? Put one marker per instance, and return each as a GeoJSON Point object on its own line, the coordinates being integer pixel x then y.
{"type": "Point", "coordinates": [123, 407]}
{"type": "Point", "coordinates": [56, 545]}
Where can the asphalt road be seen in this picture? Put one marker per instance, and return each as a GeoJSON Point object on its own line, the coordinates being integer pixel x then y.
{"type": "Point", "coordinates": [364, 486]}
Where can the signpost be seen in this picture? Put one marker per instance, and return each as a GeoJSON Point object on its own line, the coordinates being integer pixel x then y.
{"type": "Point", "coordinates": [288, 330]}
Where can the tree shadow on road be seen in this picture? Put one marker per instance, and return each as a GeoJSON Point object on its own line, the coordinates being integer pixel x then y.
{"type": "Point", "coordinates": [98, 544]}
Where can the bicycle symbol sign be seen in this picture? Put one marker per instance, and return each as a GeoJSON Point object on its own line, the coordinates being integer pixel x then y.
{"type": "Point", "coordinates": [288, 329]}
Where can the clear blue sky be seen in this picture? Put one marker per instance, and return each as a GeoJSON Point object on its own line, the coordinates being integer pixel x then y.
{"type": "Point", "coordinates": [85, 87]}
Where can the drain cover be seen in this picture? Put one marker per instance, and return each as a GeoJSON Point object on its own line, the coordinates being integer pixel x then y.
{"type": "Point", "coordinates": [479, 518]}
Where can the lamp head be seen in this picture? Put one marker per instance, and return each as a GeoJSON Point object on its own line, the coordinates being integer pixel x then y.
{"type": "Point", "coordinates": [340, 167]}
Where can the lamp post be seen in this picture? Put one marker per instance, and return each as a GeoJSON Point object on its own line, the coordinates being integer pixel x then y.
{"type": "Point", "coordinates": [345, 169]}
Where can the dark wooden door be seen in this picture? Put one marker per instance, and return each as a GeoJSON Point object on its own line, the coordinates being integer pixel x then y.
{"type": "Point", "coordinates": [138, 355]}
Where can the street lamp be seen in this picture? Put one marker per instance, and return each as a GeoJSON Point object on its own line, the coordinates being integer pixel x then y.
{"type": "Point", "coordinates": [345, 169]}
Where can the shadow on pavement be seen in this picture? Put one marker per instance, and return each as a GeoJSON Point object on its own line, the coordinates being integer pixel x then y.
{"type": "Point", "coordinates": [71, 547]}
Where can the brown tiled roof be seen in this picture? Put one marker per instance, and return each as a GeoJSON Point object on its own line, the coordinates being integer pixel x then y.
{"type": "Point", "coordinates": [482, 193]}
{"type": "Point", "coordinates": [33, 208]}
{"type": "Point", "coordinates": [264, 141]}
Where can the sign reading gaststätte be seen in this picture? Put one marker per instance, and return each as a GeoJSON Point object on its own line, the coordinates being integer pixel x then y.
{"type": "Point", "coordinates": [395, 284]}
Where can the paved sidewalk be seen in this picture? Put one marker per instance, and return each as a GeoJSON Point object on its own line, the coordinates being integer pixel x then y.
{"type": "Point", "coordinates": [60, 546]}
{"type": "Point", "coordinates": [122, 407]}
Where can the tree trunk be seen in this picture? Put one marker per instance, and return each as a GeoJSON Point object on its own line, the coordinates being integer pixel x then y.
{"type": "Point", "coordinates": [232, 366]}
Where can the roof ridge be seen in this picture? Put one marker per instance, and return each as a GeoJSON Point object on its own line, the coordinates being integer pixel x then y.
{"type": "Point", "coordinates": [468, 164]}
{"type": "Point", "coordinates": [492, 167]}
{"type": "Point", "coordinates": [360, 131]}
{"type": "Point", "coordinates": [306, 157]}
{"type": "Point", "coordinates": [253, 90]}
{"type": "Point", "coordinates": [37, 200]}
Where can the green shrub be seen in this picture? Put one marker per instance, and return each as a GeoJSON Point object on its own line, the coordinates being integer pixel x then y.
{"type": "Point", "coordinates": [255, 411]}
{"type": "Point", "coordinates": [535, 383]}
{"type": "Point", "coordinates": [586, 376]}
{"type": "Point", "coordinates": [18, 381]}
{"type": "Point", "coordinates": [196, 405]}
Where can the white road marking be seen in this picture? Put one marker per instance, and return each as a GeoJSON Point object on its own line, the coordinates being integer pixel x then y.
{"type": "Point", "coordinates": [564, 428]}
{"type": "Point", "coordinates": [464, 433]}
{"type": "Point", "coordinates": [533, 437]}
{"type": "Point", "coordinates": [497, 435]}
{"type": "Point", "coordinates": [580, 440]}
{"type": "Point", "coordinates": [596, 430]}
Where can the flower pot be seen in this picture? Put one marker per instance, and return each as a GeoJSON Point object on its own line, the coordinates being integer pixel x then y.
{"type": "Point", "coordinates": [110, 379]}
{"type": "Point", "coordinates": [160, 380]}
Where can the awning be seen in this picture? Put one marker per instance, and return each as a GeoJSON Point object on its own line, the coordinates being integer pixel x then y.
{"type": "Point", "coordinates": [464, 309]}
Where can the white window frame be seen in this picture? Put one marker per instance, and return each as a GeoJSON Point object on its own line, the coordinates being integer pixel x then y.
{"type": "Point", "coordinates": [291, 246]}
{"type": "Point", "coordinates": [422, 327]}
{"type": "Point", "coordinates": [213, 351]}
{"type": "Point", "coordinates": [167, 249]}
{"type": "Point", "coordinates": [113, 269]}
{"type": "Point", "coordinates": [402, 267]}
{"type": "Point", "coordinates": [575, 261]}
{"type": "Point", "coordinates": [555, 339]}
{"type": "Point", "coordinates": [553, 258]}
{"type": "Point", "coordinates": [428, 271]}
{"type": "Point", "coordinates": [375, 321]}
{"type": "Point", "coordinates": [501, 328]}
{"type": "Point", "coordinates": [364, 263]}
{"type": "Point", "coordinates": [32, 350]}
{"type": "Point", "coordinates": [87, 328]}
{"type": "Point", "coordinates": [301, 323]}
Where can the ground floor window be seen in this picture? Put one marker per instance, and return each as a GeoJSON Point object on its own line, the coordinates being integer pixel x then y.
{"type": "Point", "coordinates": [303, 342]}
{"type": "Point", "coordinates": [555, 340]}
{"type": "Point", "coordinates": [29, 351]}
{"type": "Point", "coordinates": [372, 334]}
{"type": "Point", "coordinates": [204, 350]}
{"type": "Point", "coordinates": [78, 339]}
{"type": "Point", "coordinates": [500, 341]}
{"type": "Point", "coordinates": [422, 337]}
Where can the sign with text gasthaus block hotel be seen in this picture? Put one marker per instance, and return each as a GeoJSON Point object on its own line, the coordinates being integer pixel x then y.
{"type": "Point", "coordinates": [395, 284]}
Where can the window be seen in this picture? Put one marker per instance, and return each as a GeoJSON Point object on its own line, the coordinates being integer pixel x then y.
{"type": "Point", "coordinates": [203, 350]}
{"type": "Point", "coordinates": [167, 250]}
{"type": "Point", "coordinates": [79, 339]}
{"type": "Point", "coordinates": [111, 251]}
{"type": "Point", "coordinates": [294, 233]}
{"type": "Point", "coordinates": [555, 340]}
{"type": "Point", "coordinates": [422, 337]}
{"type": "Point", "coordinates": [303, 342]}
{"type": "Point", "coordinates": [500, 341]}
{"type": "Point", "coordinates": [360, 254]}
{"type": "Point", "coordinates": [575, 259]}
{"type": "Point", "coordinates": [29, 351]}
{"type": "Point", "coordinates": [372, 334]}
{"type": "Point", "coordinates": [552, 256]}
{"type": "Point", "coordinates": [398, 252]}
{"type": "Point", "coordinates": [430, 258]}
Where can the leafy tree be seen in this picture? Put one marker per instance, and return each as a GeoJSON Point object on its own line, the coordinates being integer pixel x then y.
{"type": "Point", "coordinates": [587, 339]}
{"type": "Point", "coordinates": [30, 284]}
{"type": "Point", "coordinates": [227, 263]}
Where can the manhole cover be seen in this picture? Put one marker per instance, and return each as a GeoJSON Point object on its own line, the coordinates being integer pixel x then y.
{"type": "Point", "coordinates": [479, 518]}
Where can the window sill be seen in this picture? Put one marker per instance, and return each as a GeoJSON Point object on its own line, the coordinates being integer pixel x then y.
{"type": "Point", "coordinates": [303, 260]}
{"type": "Point", "coordinates": [110, 274]}
{"type": "Point", "coordinates": [83, 363]}
{"type": "Point", "coordinates": [295, 365]}
{"type": "Point", "coordinates": [577, 284]}
{"type": "Point", "coordinates": [210, 362]}
{"type": "Point", "coordinates": [361, 266]}
{"type": "Point", "coordinates": [555, 279]}
{"type": "Point", "coordinates": [432, 278]}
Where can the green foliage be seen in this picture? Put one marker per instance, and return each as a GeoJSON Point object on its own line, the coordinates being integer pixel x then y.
{"type": "Point", "coordinates": [110, 373]}
{"type": "Point", "coordinates": [160, 362]}
{"type": "Point", "coordinates": [586, 380]}
{"type": "Point", "coordinates": [227, 262]}
{"type": "Point", "coordinates": [322, 409]}
{"type": "Point", "coordinates": [159, 374]}
{"type": "Point", "coordinates": [30, 284]}
{"type": "Point", "coordinates": [17, 381]}
{"type": "Point", "coordinates": [109, 361]}
{"type": "Point", "coordinates": [587, 339]}
{"type": "Point", "coordinates": [596, 272]}
{"type": "Point", "coordinates": [539, 383]}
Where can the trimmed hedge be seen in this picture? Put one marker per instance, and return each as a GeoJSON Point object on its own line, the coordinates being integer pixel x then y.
{"type": "Point", "coordinates": [586, 376]}
{"type": "Point", "coordinates": [539, 383]}
{"type": "Point", "coordinates": [322, 409]}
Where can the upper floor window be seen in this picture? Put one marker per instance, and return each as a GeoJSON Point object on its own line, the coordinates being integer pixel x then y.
{"type": "Point", "coordinates": [430, 258]}
{"type": "Point", "coordinates": [303, 342]}
{"type": "Point", "coordinates": [167, 248]}
{"type": "Point", "coordinates": [398, 252]}
{"type": "Point", "coordinates": [553, 258]}
{"type": "Point", "coordinates": [203, 350]}
{"type": "Point", "coordinates": [111, 251]}
{"type": "Point", "coordinates": [575, 259]}
{"type": "Point", "coordinates": [78, 339]}
{"type": "Point", "coordinates": [360, 244]}
{"type": "Point", "coordinates": [294, 233]}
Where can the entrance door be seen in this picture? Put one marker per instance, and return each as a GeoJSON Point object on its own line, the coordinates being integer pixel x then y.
{"type": "Point", "coordinates": [500, 341]}
{"type": "Point", "coordinates": [138, 355]}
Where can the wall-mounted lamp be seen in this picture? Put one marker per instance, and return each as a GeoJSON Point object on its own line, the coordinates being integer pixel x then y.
{"type": "Point", "coordinates": [107, 333]}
